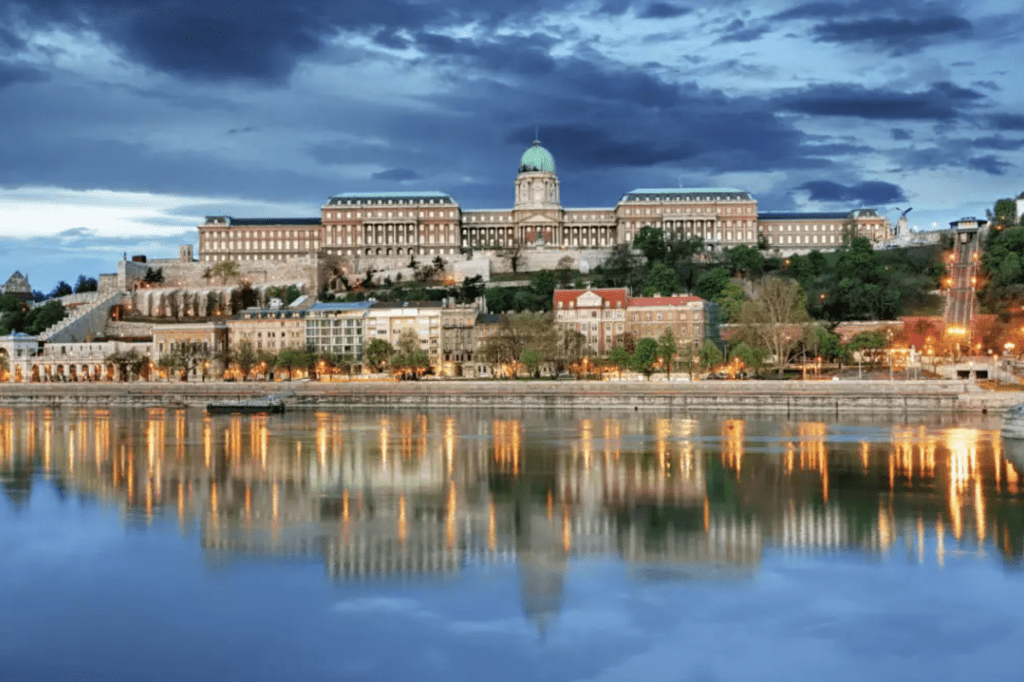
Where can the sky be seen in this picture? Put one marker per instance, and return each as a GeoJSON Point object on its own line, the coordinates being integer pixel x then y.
{"type": "Point", "coordinates": [125, 123]}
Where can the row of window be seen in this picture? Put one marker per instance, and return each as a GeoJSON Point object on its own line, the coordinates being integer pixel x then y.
{"type": "Point", "coordinates": [358, 215]}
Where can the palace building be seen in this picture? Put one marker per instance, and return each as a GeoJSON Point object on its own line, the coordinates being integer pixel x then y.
{"type": "Point", "coordinates": [430, 223]}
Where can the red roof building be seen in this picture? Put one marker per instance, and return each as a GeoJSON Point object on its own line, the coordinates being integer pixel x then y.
{"type": "Point", "coordinates": [598, 314]}
{"type": "Point", "coordinates": [605, 316]}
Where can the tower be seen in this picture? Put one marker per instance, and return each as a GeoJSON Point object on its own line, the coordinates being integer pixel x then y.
{"type": "Point", "coordinates": [538, 208]}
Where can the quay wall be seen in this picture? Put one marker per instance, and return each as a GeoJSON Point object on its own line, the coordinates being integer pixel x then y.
{"type": "Point", "coordinates": [769, 397]}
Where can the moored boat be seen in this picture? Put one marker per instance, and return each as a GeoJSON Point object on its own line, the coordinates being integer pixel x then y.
{"type": "Point", "coordinates": [268, 405]}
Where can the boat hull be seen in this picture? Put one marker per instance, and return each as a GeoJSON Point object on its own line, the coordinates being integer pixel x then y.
{"type": "Point", "coordinates": [245, 408]}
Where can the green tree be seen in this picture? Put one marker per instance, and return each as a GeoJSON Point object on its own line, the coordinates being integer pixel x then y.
{"type": "Point", "coordinates": [9, 303]}
{"type": "Point", "coordinates": [85, 284]}
{"type": "Point", "coordinates": [130, 363]}
{"type": "Point", "coordinates": [622, 268]}
{"type": "Point", "coordinates": [530, 359]}
{"type": "Point", "coordinates": [62, 289]}
{"type": "Point", "coordinates": [153, 276]}
{"type": "Point", "coordinates": [168, 364]}
{"type": "Point", "coordinates": [868, 344]}
{"type": "Point", "coordinates": [244, 358]}
{"type": "Point", "coordinates": [667, 351]}
{"type": "Point", "coordinates": [661, 280]}
{"type": "Point", "coordinates": [711, 284]}
{"type": "Point", "coordinates": [409, 359]}
{"type": "Point", "coordinates": [650, 241]}
{"type": "Point", "coordinates": [730, 302]}
{"type": "Point", "coordinates": [751, 358]}
{"type": "Point", "coordinates": [45, 316]}
{"type": "Point", "coordinates": [830, 346]}
{"type": "Point", "coordinates": [1003, 214]}
{"type": "Point", "coordinates": [710, 355]}
{"type": "Point", "coordinates": [564, 272]}
{"type": "Point", "coordinates": [745, 261]}
{"type": "Point", "coordinates": [644, 357]}
{"type": "Point", "coordinates": [225, 270]}
{"type": "Point", "coordinates": [818, 263]}
{"type": "Point", "coordinates": [618, 357]}
{"type": "Point", "coordinates": [377, 353]}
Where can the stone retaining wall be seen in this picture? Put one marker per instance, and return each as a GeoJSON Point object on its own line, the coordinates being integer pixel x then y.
{"type": "Point", "coordinates": [781, 398]}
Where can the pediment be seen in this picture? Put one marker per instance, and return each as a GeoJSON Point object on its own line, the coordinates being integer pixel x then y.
{"type": "Point", "coordinates": [588, 300]}
{"type": "Point", "coordinates": [538, 219]}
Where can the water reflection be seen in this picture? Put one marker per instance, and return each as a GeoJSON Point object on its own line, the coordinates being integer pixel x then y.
{"type": "Point", "coordinates": [421, 496]}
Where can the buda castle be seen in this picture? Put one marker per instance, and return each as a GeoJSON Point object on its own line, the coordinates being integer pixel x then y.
{"type": "Point", "coordinates": [429, 224]}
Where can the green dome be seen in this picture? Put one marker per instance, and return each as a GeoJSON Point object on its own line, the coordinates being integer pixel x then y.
{"type": "Point", "coordinates": [536, 158]}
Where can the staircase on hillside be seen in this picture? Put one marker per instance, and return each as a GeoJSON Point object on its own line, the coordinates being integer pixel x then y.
{"type": "Point", "coordinates": [73, 327]}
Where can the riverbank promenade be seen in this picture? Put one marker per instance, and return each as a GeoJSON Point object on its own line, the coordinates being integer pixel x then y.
{"type": "Point", "coordinates": [779, 397]}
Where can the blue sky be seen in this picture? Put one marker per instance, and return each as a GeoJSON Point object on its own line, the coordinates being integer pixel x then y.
{"type": "Point", "coordinates": [124, 123]}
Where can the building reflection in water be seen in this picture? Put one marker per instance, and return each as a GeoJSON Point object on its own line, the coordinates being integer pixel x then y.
{"type": "Point", "coordinates": [411, 496]}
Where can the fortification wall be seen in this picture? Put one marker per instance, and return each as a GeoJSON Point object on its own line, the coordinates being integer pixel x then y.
{"type": "Point", "coordinates": [533, 259]}
{"type": "Point", "coordinates": [189, 274]}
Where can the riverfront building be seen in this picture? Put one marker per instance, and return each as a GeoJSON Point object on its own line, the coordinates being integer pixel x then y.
{"type": "Point", "coordinates": [431, 223]}
{"type": "Point", "coordinates": [604, 316]}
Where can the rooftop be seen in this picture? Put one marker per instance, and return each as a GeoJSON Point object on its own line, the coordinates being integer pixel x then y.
{"type": "Point", "coordinates": [226, 219]}
{"type": "Point", "coordinates": [425, 196]}
{"type": "Point", "coordinates": [349, 305]}
{"type": "Point", "coordinates": [612, 296]}
{"type": "Point", "coordinates": [683, 193]}
{"type": "Point", "coordinates": [805, 215]}
{"type": "Point", "coordinates": [407, 304]}
{"type": "Point", "coordinates": [663, 300]}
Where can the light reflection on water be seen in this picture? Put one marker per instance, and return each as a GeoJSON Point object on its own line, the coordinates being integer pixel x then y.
{"type": "Point", "coordinates": [405, 491]}
{"type": "Point", "coordinates": [406, 496]}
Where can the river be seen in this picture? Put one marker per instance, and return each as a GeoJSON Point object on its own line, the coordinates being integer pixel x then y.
{"type": "Point", "coordinates": [164, 544]}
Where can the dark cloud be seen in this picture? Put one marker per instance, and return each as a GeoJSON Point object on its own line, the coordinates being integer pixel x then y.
{"type": "Point", "coordinates": [811, 10]}
{"type": "Point", "coordinates": [396, 175]}
{"type": "Point", "coordinates": [900, 134]}
{"type": "Point", "coordinates": [663, 10]}
{"type": "Point", "coordinates": [940, 102]}
{"type": "Point", "coordinates": [218, 39]}
{"type": "Point", "coordinates": [390, 38]}
{"type": "Point", "coordinates": [988, 85]}
{"type": "Point", "coordinates": [737, 31]}
{"type": "Point", "coordinates": [517, 54]}
{"type": "Point", "coordinates": [11, 74]}
{"type": "Point", "coordinates": [11, 40]}
{"type": "Point", "coordinates": [614, 8]}
{"type": "Point", "coordinates": [997, 143]}
{"type": "Point", "coordinates": [1006, 121]}
{"type": "Point", "coordinates": [836, 149]}
{"type": "Point", "coordinates": [897, 36]}
{"type": "Point", "coordinates": [990, 164]}
{"type": "Point", "coordinates": [865, 193]}
{"type": "Point", "coordinates": [236, 131]}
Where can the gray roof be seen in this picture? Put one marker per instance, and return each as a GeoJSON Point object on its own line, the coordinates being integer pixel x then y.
{"type": "Point", "coordinates": [259, 222]}
{"type": "Point", "coordinates": [348, 305]}
{"type": "Point", "coordinates": [425, 196]}
{"type": "Point", "coordinates": [686, 194]}
{"type": "Point", "coordinates": [805, 215]}
{"type": "Point", "coordinates": [407, 304]}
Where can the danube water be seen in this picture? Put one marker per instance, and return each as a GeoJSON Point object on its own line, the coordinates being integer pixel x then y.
{"type": "Point", "coordinates": [507, 545]}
